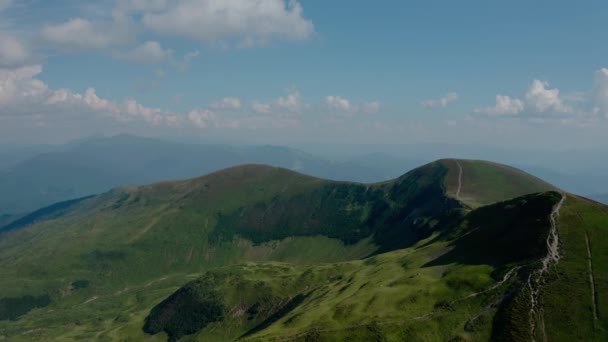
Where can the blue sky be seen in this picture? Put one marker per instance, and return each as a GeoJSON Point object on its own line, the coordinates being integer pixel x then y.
{"type": "Point", "coordinates": [513, 74]}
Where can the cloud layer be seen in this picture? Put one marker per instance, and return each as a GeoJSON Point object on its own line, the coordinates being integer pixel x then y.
{"type": "Point", "coordinates": [441, 102]}
{"type": "Point", "coordinates": [13, 52]}
{"type": "Point", "coordinates": [543, 104]}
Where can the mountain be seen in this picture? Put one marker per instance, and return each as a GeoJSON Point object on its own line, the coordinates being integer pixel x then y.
{"type": "Point", "coordinates": [454, 250]}
{"type": "Point", "coordinates": [98, 164]}
{"type": "Point", "coordinates": [11, 155]}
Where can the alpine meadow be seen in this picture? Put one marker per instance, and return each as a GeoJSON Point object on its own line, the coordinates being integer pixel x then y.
{"type": "Point", "coordinates": [289, 170]}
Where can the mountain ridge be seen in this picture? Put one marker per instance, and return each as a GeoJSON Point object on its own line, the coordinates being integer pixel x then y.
{"type": "Point", "coordinates": [393, 259]}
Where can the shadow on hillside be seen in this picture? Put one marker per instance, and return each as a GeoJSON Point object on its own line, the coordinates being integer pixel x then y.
{"type": "Point", "coordinates": [507, 232]}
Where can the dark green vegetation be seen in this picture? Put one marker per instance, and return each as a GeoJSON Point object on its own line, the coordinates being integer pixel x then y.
{"type": "Point", "coordinates": [44, 214]}
{"type": "Point", "coordinates": [13, 308]}
{"type": "Point", "coordinates": [260, 253]}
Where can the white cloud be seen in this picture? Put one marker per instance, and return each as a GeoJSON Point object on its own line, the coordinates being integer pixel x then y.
{"type": "Point", "coordinates": [372, 107]}
{"type": "Point", "coordinates": [542, 99]}
{"type": "Point", "coordinates": [204, 118]}
{"type": "Point", "coordinates": [262, 108]}
{"type": "Point", "coordinates": [505, 105]}
{"type": "Point", "coordinates": [338, 103]}
{"type": "Point", "coordinates": [246, 21]}
{"type": "Point", "coordinates": [600, 91]}
{"type": "Point", "coordinates": [18, 88]}
{"type": "Point", "coordinates": [184, 64]}
{"type": "Point", "coordinates": [291, 103]}
{"type": "Point", "coordinates": [229, 103]}
{"type": "Point", "coordinates": [442, 102]}
{"type": "Point", "coordinates": [82, 34]}
{"type": "Point", "coordinates": [150, 52]}
{"type": "Point", "coordinates": [22, 94]}
{"type": "Point", "coordinates": [12, 51]}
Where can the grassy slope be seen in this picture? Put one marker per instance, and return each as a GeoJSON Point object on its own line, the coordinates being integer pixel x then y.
{"type": "Point", "coordinates": [568, 294]}
{"type": "Point", "coordinates": [136, 246]}
{"type": "Point", "coordinates": [417, 293]}
{"type": "Point", "coordinates": [484, 183]}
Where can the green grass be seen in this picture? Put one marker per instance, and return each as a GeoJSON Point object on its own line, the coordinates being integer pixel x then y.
{"type": "Point", "coordinates": [568, 294]}
{"type": "Point", "coordinates": [281, 254]}
{"type": "Point", "coordinates": [418, 292]}
{"type": "Point", "coordinates": [484, 183]}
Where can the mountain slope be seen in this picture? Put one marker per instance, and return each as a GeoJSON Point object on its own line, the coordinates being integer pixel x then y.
{"type": "Point", "coordinates": [258, 253]}
{"type": "Point", "coordinates": [477, 183]}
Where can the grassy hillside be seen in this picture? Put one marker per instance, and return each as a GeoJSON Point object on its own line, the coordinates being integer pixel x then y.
{"type": "Point", "coordinates": [420, 293]}
{"type": "Point", "coordinates": [578, 285]}
{"type": "Point", "coordinates": [477, 183]}
{"type": "Point", "coordinates": [258, 253]}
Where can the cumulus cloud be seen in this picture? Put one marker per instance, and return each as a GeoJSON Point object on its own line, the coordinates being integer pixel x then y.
{"type": "Point", "coordinates": [184, 63]}
{"type": "Point", "coordinates": [600, 91]}
{"type": "Point", "coordinates": [291, 103]}
{"type": "Point", "coordinates": [24, 97]}
{"type": "Point", "coordinates": [203, 118]}
{"type": "Point", "coordinates": [442, 102]}
{"type": "Point", "coordinates": [150, 52]}
{"type": "Point", "coordinates": [22, 94]}
{"type": "Point", "coordinates": [542, 104]}
{"type": "Point", "coordinates": [229, 103]}
{"type": "Point", "coordinates": [372, 107]}
{"type": "Point", "coordinates": [82, 34]}
{"type": "Point", "coordinates": [261, 108]}
{"type": "Point", "coordinates": [338, 103]}
{"type": "Point", "coordinates": [505, 105]}
{"type": "Point", "coordinates": [249, 22]}
{"type": "Point", "coordinates": [12, 51]}
{"type": "Point", "coordinates": [541, 99]}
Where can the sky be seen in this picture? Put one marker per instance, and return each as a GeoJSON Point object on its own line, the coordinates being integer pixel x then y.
{"type": "Point", "coordinates": [521, 74]}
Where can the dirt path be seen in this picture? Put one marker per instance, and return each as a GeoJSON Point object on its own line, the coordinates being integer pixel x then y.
{"type": "Point", "coordinates": [90, 300]}
{"type": "Point", "coordinates": [156, 281]}
{"type": "Point", "coordinates": [144, 230]}
{"type": "Point", "coordinates": [507, 276]}
{"type": "Point", "coordinates": [591, 279]}
{"type": "Point", "coordinates": [460, 171]}
{"type": "Point", "coordinates": [535, 279]}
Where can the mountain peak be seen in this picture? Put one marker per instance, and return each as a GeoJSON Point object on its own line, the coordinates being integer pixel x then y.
{"type": "Point", "coordinates": [477, 182]}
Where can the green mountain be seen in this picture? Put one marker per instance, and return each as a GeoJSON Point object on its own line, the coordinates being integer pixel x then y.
{"type": "Point", "coordinates": [96, 165]}
{"type": "Point", "coordinates": [454, 250]}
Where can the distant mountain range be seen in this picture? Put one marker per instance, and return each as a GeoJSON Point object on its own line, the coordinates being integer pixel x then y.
{"type": "Point", "coordinates": [34, 180]}
{"type": "Point", "coordinates": [32, 177]}
{"type": "Point", "coordinates": [455, 250]}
